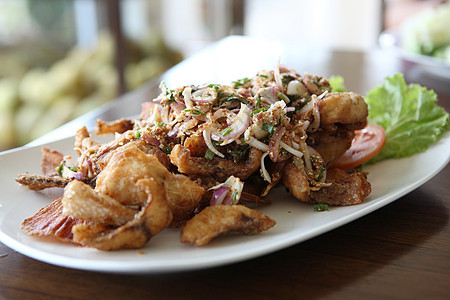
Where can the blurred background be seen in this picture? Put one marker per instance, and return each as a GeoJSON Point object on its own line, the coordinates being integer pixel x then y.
{"type": "Point", "coordinates": [62, 58]}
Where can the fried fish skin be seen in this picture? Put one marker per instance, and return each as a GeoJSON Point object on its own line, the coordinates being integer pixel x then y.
{"type": "Point", "coordinates": [220, 219]}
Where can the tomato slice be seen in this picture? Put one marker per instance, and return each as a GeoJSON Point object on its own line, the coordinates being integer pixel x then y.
{"type": "Point", "coordinates": [365, 145]}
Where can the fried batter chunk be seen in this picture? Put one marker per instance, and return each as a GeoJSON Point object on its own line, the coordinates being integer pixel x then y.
{"type": "Point", "coordinates": [119, 126]}
{"type": "Point", "coordinates": [217, 167]}
{"type": "Point", "coordinates": [129, 164]}
{"type": "Point", "coordinates": [220, 219]}
{"type": "Point", "coordinates": [81, 201]}
{"type": "Point", "coordinates": [343, 108]}
{"type": "Point", "coordinates": [297, 182]}
{"type": "Point", "coordinates": [151, 220]}
{"type": "Point", "coordinates": [345, 189]}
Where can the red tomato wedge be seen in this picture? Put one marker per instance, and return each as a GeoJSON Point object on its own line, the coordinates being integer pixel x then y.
{"type": "Point", "coordinates": [365, 145]}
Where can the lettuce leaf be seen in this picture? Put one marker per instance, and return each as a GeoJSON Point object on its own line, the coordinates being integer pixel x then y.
{"type": "Point", "coordinates": [337, 83]}
{"type": "Point", "coordinates": [409, 115]}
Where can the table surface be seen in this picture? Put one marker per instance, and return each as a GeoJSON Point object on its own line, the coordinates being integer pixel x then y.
{"type": "Point", "coordinates": [401, 251]}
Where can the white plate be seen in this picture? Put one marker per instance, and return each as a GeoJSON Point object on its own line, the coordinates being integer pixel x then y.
{"type": "Point", "coordinates": [392, 41]}
{"type": "Point", "coordinates": [296, 221]}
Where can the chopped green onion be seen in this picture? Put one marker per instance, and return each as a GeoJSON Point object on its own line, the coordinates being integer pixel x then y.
{"type": "Point", "coordinates": [234, 196]}
{"type": "Point", "coordinates": [268, 127]}
{"type": "Point", "coordinates": [320, 207]}
{"type": "Point", "coordinates": [167, 149]}
{"type": "Point", "coordinates": [262, 75]}
{"type": "Point", "coordinates": [195, 111]}
{"type": "Point", "coordinates": [137, 134]}
{"type": "Point", "coordinates": [160, 124]}
{"type": "Point", "coordinates": [259, 110]}
{"type": "Point", "coordinates": [241, 82]}
{"type": "Point", "coordinates": [60, 168]}
{"type": "Point", "coordinates": [226, 131]}
{"type": "Point", "coordinates": [209, 154]}
{"type": "Point", "coordinates": [73, 168]}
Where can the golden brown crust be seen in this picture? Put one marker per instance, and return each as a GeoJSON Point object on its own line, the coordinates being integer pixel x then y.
{"type": "Point", "coordinates": [345, 189]}
{"type": "Point", "coordinates": [220, 219]}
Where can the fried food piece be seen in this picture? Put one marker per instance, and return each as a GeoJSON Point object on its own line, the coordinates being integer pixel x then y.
{"type": "Point", "coordinates": [119, 126]}
{"type": "Point", "coordinates": [51, 159]}
{"type": "Point", "coordinates": [220, 219]}
{"type": "Point", "coordinates": [129, 164]}
{"type": "Point", "coordinates": [345, 189]}
{"type": "Point", "coordinates": [217, 167]}
{"type": "Point", "coordinates": [40, 182]}
{"type": "Point", "coordinates": [196, 145]}
{"type": "Point", "coordinates": [151, 220]}
{"type": "Point", "coordinates": [297, 182]}
{"type": "Point", "coordinates": [81, 201]}
{"type": "Point", "coordinates": [331, 144]}
{"type": "Point", "coordinates": [50, 221]}
{"type": "Point", "coordinates": [80, 135]}
{"type": "Point", "coordinates": [343, 108]}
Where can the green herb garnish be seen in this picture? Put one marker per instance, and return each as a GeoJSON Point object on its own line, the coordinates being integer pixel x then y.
{"type": "Point", "coordinates": [226, 131]}
{"type": "Point", "coordinates": [320, 207]}
{"type": "Point", "coordinates": [209, 154]}
{"type": "Point", "coordinates": [268, 127]}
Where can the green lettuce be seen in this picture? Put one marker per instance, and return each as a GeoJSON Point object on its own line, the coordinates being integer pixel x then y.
{"type": "Point", "coordinates": [409, 115]}
{"type": "Point", "coordinates": [337, 84]}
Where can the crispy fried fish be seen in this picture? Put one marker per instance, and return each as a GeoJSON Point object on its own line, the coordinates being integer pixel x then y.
{"type": "Point", "coordinates": [151, 219]}
{"type": "Point", "coordinates": [128, 165]}
{"type": "Point", "coordinates": [220, 219]}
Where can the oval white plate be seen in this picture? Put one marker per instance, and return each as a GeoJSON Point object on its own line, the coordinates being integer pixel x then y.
{"type": "Point", "coordinates": [296, 222]}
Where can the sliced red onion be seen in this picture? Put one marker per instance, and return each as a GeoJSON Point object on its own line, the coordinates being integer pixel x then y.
{"type": "Point", "coordinates": [290, 149]}
{"type": "Point", "coordinates": [205, 95]}
{"type": "Point", "coordinates": [228, 192]}
{"type": "Point", "coordinates": [277, 76]}
{"type": "Point", "coordinates": [258, 144]}
{"type": "Point", "coordinates": [207, 138]}
{"type": "Point", "coordinates": [77, 175]}
{"type": "Point", "coordinates": [289, 109]}
{"type": "Point", "coordinates": [238, 125]}
{"type": "Point", "coordinates": [274, 144]}
{"type": "Point", "coordinates": [151, 140]}
{"type": "Point", "coordinates": [264, 172]}
{"type": "Point", "coordinates": [187, 97]}
{"type": "Point", "coordinates": [269, 93]}
{"type": "Point", "coordinates": [219, 195]}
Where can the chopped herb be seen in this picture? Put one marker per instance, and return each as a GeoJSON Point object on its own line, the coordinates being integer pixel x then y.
{"type": "Point", "coordinates": [160, 124]}
{"type": "Point", "coordinates": [240, 153]}
{"type": "Point", "coordinates": [258, 101]}
{"type": "Point", "coordinates": [241, 82]}
{"type": "Point", "coordinates": [226, 131]}
{"type": "Point", "coordinates": [195, 111]}
{"type": "Point", "coordinates": [262, 75]}
{"type": "Point", "coordinates": [73, 168]}
{"type": "Point", "coordinates": [166, 149]}
{"type": "Point", "coordinates": [234, 196]}
{"type": "Point", "coordinates": [60, 168]}
{"type": "Point", "coordinates": [137, 134]}
{"type": "Point", "coordinates": [215, 86]}
{"type": "Point", "coordinates": [259, 110]}
{"type": "Point", "coordinates": [209, 154]}
{"type": "Point", "coordinates": [268, 127]}
{"type": "Point", "coordinates": [320, 207]}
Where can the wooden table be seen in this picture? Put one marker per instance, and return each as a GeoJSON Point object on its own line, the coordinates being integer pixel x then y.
{"type": "Point", "coordinates": [401, 251]}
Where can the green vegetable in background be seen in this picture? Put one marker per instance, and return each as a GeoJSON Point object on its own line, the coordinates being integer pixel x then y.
{"type": "Point", "coordinates": [337, 84]}
{"type": "Point", "coordinates": [409, 115]}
